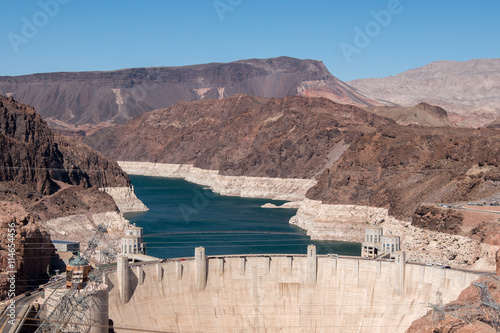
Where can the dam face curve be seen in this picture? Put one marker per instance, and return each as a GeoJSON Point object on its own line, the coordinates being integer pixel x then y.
{"type": "Point", "coordinates": [278, 293]}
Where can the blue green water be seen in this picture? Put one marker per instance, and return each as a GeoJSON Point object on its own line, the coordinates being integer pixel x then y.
{"type": "Point", "coordinates": [183, 215]}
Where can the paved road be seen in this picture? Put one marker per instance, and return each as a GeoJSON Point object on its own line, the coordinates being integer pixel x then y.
{"type": "Point", "coordinates": [22, 305]}
{"type": "Point", "coordinates": [480, 210]}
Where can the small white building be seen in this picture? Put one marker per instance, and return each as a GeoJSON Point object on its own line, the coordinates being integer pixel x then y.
{"type": "Point", "coordinates": [390, 244]}
{"type": "Point", "coordinates": [133, 242]}
{"type": "Point", "coordinates": [376, 243]}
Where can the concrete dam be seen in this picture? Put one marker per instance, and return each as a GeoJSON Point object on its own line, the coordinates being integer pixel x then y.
{"type": "Point", "coordinates": [277, 293]}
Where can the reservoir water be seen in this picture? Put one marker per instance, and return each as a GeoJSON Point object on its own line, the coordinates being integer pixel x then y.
{"type": "Point", "coordinates": [183, 215]}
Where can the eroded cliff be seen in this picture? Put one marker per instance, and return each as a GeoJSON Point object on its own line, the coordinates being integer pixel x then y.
{"type": "Point", "coordinates": [44, 176]}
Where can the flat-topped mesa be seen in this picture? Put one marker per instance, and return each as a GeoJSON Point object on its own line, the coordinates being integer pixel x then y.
{"type": "Point", "coordinates": [89, 100]}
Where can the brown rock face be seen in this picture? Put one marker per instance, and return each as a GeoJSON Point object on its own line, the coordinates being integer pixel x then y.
{"type": "Point", "coordinates": [400, 167]}
{"type": "Point", "coordinates": [43, 175]}
{"type": "Point", "coordinates": [33, 248]}
{"type": "Point", "coordinates": [435, 219]}
{"type": "Point", "coordinates": [421, 114]}
{"type": "Point", "coordinates": [242, 135]}
{"type": "Point", "coordinates": [89, 100]}
{"type": "Point", "coordinates": [467, 314]}
{"type": "Point", "coordinates": [482, 226]}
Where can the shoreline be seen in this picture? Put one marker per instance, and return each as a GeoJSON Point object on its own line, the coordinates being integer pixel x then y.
{"type": "Point", "coordinates": [288, 189]}
{"type": "Point", "coordinates": [331, 221]}
{"type": "Point", "coordinates": [125, 199]}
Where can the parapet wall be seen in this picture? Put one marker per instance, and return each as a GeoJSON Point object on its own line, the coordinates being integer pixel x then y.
{"type": "Point", "coordinates": [278, 293]}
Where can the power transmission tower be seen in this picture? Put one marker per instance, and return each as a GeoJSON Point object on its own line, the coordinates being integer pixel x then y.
{"type": "Point", "coordinates": [487, 310]}
{"type": "Point", "coordinates": [71, 310]}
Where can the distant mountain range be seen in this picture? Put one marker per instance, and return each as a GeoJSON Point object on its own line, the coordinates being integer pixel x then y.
{"type": "Point", "coordinates": [83, 101]}
{"type": "Point", "coordinates": [469, 91]}
{"type": "Point", "coordinates": [78, 103]}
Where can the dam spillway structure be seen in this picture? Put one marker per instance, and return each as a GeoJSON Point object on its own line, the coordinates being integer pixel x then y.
{"type": "Point", "coordinates": [278, 293]}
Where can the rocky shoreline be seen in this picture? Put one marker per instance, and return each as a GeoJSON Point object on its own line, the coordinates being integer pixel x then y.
{"type": "Point", "coordinates": [332, 221]}
{"type": "Point", "coordinates": [289, 189]}
{"type": "Point", "coordinates": [125, 199]}
{"type": "Point", "coordinates": [348, 223]}
{"type": "Point", "coordinates": [81, 227]}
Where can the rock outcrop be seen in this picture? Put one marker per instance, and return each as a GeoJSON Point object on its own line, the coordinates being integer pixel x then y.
{"type": "Point", "coordinates": [76, 102]}
{"type": "Point", "coordinates": [422, 114]}
{"type": "Point", "coordinates": [125, 199]}
{"type": "Point", "coordinates": [436, 219]}
{"type": "Point", "coordinates": [33, 155]}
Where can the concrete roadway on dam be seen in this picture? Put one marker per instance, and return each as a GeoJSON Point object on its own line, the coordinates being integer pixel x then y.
{"type": "Point", "coordinates": [148, 260]}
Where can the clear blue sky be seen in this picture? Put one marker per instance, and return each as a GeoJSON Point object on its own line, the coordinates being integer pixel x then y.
{"type": "Point", "coordinates": [107, 35]}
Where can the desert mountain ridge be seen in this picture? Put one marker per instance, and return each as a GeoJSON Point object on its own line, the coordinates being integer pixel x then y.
{"type": "Point", "coordinates": [80, 102]}
{"type": "Point", "coordinates": [468, 90]}
{"type": "Point", "coordinates": [356, 156]}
